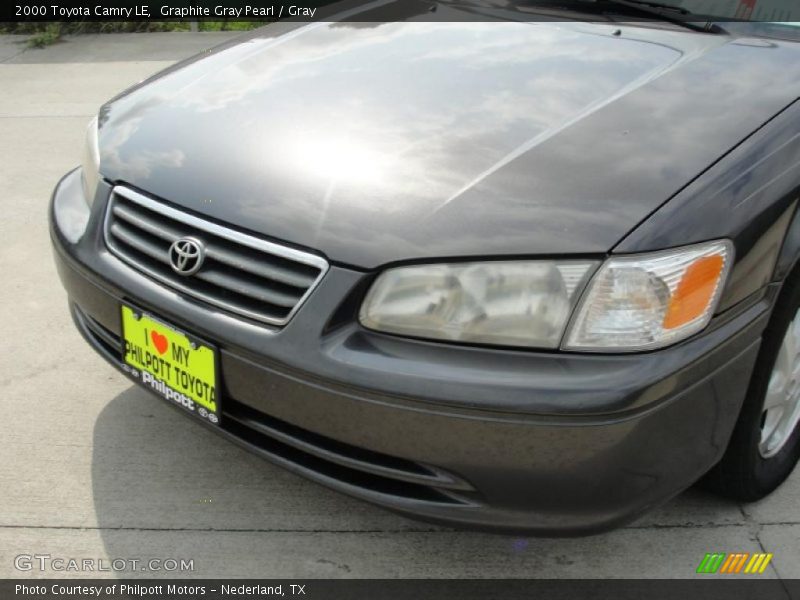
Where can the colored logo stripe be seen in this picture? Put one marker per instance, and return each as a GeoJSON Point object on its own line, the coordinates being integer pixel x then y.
{"type": "Point", "coordinates": [758, 564]}
{"type": "Point", "coordinates": [735, 563]}
{"type": "Point", "coordinates": [711, 563]}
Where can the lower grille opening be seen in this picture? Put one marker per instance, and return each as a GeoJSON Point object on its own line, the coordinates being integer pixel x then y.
{"type": "Point", "coordinates": [360, 479]}
{"type": "Point", "coordinates": [243, 414]}
{"type": "Point", "coordinates": [109, 342]}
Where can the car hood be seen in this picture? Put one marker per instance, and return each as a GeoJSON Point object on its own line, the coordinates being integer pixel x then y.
{"type": "Point", "coordinates": [376, 143]}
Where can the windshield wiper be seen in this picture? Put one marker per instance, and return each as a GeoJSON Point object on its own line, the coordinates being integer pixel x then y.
{"type": "Point", "coordinates": [667, 12]}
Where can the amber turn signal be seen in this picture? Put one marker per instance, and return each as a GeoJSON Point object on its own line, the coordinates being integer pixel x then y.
{"type": "Point", "coordinates": [695, 291]}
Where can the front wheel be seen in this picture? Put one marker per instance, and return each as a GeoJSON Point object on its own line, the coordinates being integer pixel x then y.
{"type": "Point", "coordinates": [765, 445]}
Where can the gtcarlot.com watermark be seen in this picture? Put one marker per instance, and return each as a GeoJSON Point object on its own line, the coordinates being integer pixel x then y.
{"type": "Point", "coordinates": [63, 564]}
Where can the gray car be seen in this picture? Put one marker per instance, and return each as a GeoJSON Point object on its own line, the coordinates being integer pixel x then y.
{"type": "Point", "coordinates": [493, 267]}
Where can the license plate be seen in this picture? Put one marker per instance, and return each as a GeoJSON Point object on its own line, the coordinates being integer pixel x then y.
{"type": "Point", "coordinates": [169, 362]}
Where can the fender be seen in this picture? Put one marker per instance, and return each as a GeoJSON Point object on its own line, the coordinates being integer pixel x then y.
{"type": "Point", "coordinates": [790, 252]}
{"type": "Point", "coordinates": [750, 195]}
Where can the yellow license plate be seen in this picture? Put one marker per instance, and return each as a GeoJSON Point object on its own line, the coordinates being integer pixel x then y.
{"type": "Point", "coordinates": [168, 362]}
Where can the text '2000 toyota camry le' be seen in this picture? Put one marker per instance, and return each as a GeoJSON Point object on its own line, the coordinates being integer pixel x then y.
{"type": "Point", "coordinates": [527, 268]}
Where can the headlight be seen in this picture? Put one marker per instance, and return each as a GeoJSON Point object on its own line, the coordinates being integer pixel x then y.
{"type": "Point", "coordinates": [71, 209]}
{"type": "Point", "coordinates": [652, 300]}
{"type": "Point", "coordinates": [631, 303]}
{"type": "Point", "coordinates": [519, 303]}
{"type": "Point", "coordinates": [90, 171]}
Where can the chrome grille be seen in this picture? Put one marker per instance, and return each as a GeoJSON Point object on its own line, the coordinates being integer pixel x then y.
{"type": "Point", "coordinates": [241, 273]}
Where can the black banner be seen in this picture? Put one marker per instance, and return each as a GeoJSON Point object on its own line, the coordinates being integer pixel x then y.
{"type": "Point", "coordinates": [163, 10]}
{"type": "Point", "coordinates": [410, 589]}
{"type": "Point", "coordinates": [382, 10]}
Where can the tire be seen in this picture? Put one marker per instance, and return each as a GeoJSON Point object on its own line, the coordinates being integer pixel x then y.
{"type": "Point", "coordinates": [753, 466]}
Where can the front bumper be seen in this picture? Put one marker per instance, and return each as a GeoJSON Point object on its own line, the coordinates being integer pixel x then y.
{"type": "Point", "coordinates": [547, 443]}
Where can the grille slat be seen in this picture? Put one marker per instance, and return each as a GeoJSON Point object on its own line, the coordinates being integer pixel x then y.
{"type": "Point", "coordinates": [231, 282]}
{"type": "Point", "coordinates": [140, 243]}
{"type": "Point", "coordinates": [274, 272]}
{"type": "Point", "coordinates": [162, 230]}
{"type": "Point", "coordinates": [242, 274]}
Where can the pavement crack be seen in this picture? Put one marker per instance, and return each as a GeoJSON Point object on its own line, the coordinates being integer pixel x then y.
{"type": "Point", "coordinates": [772, 565]}
{"type": "Point", "coordinates": [754, 535]}
{"type": "Point", "coordinates": [85, 116]}
{"type": "Point", "coordinates": [224, 529]}
{"type": "Point", "coordinates": [685, 526]}
{"type": "Point", "coordinates": [13, 56]}
{"type": "Point", "coordinates": [755, 528]}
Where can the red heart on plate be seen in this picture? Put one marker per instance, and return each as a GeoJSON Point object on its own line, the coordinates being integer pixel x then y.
{"type": "Point", "coordinates": [159, 341]}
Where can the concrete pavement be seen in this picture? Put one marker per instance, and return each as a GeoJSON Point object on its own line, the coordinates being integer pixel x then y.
{"type": "Point", "coordinates": [95, 468]}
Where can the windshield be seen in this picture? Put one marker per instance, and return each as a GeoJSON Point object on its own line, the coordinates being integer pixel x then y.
{"type": "Point", "coordinates": [783, 11]}
{"type": "Point", "coordinates": [777, 19]}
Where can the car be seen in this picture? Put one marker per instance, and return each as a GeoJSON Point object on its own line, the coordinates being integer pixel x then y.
{"type": "Point", "coordinates": [524, 268]}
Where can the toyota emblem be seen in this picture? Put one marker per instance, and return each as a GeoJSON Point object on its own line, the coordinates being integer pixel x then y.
{"type": "Point", "coordinates": [186, 255]}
